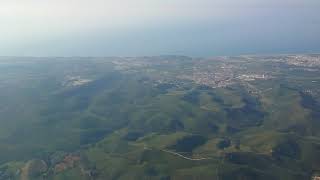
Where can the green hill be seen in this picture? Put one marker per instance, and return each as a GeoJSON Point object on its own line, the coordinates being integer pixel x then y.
{"type": "Point", "coordinates": [162, 118]}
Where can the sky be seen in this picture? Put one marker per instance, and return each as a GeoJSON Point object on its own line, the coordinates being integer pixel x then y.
{"type": "Point", "coordinates": [158, 27]}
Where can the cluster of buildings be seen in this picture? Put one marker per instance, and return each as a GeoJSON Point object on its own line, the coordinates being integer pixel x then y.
{"type": "Point", "coordinates": [252, 77]}
{"type": "Point", "coordinates": [71, 81]}
{"type": "Point", "coordinates": [211, 79]}
{"type": "Point", "coordinates": [220, 72]}
{"type": "Point", "coordinates": [304, 60]}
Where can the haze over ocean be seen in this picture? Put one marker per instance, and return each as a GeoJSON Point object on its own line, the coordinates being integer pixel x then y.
{"type": "Point", "coordinates": [155, 27]}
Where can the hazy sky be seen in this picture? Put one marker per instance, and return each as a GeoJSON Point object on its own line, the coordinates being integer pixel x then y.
{"type": "Point", "coordinates": [154, 27]}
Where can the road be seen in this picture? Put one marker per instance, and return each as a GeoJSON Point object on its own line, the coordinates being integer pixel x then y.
{"type": "Point", "coordinates": [184, 157]}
